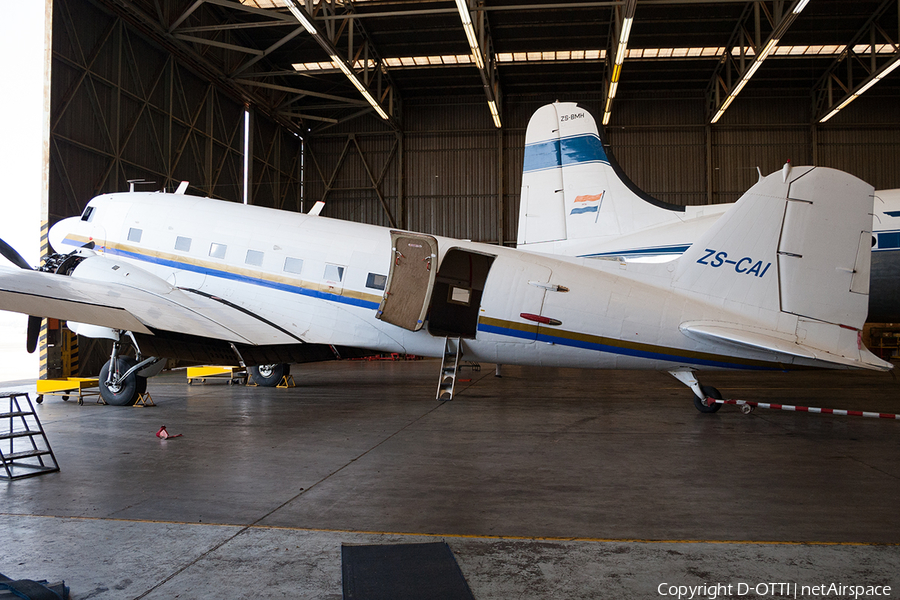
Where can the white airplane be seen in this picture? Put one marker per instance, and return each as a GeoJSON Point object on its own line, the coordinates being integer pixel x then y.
{"type": "Point", "coordinates": [212, 281]}
{"type": "Point", "coordinates": [576, 201]}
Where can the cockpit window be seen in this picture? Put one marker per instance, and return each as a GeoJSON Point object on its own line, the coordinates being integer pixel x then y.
{"type": "Point", "coordinates": [88, 214]}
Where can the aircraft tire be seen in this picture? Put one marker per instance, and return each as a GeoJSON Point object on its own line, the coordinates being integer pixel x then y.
{"type": "Point", "coordinates": [710, 392]}
{"type": "Point", "coordinates": [126, 392]}
{"type": "Point", "coordinates": [269, 375]}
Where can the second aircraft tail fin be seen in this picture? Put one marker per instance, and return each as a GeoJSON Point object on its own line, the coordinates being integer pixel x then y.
{"type": "Point", "coordinates": [572, 188]}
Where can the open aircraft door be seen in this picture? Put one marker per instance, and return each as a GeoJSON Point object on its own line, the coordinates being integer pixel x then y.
{"type": "Point", "coordinates": [410, 280]}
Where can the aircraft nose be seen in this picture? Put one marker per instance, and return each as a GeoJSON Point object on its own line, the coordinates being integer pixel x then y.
{"type": "Point", "coordinates": [67, 235]}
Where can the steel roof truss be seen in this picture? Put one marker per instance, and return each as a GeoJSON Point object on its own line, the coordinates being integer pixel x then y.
{"type": "Point", "coordinates": [852, 73]}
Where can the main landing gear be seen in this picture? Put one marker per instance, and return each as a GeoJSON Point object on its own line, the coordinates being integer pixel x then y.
{"type": "Point", "coordinates": [269, 375]}
{"type": "Point", "coordinates": [701, 392]}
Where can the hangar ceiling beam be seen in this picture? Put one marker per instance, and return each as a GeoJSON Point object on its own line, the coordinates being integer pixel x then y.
{"type": "Point", "coordinates": [854, 72]}
{"type": "Point", "coordinates": [733, 72]}
{"type": "Point", "coordinates": [362, 65]}
{"type": "Point", "coordinates": [482, 47]}
{"type": "Point", "coordinates": [160, 31]}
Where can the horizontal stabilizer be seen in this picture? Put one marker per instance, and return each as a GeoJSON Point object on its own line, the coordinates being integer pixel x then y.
{"type": "Point", "coordinates": [771, 341]}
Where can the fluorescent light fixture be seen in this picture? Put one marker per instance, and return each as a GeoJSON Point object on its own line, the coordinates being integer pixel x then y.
{"type": "Point", "coordinates": [337, 60]}
{"type": "Point", "coordinates": [463, 7]}
{"type": "Point", "coordinates": [621, 51]}
{"type": "Point", "coordinates": [495, 114]}
{"type": "Point", "coordinates": [359, 86]}
{"type": "Point", "coordinates": [767, 50]}
{"type": "Point", "coordinates": [887, 69]}
{"type": "Point", "coordinates": [307, 24]}
{"type": "Point", "coordinates": [800, 6]}
{"type": "Point", "coordinates": [724, 107]}
{"type": "Point", "coordinates": [613, 86]}
{"type": "Point", "coordinates": [712, 52]}
{"type": "Point", "coordinates": [757, 62]}
{"type": "Point", "coordinates": [623, 40]}
{"type": "Point", "coordinates": [470, 32]}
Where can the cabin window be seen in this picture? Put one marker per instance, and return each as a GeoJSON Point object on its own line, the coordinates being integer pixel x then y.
{"type": "Point", "coordinates": [183, 244]}
{"type": "Point", "coordinates": [217, 250]}
{"type": "Point", "coordinates": [334, 273]}
{"type": "Point", "coordinates": [134, 235]}
{"type": "Point", "coordinates": [376, 281]}
{"type": "Point", "coordinates": [888, 240]}
{"type": "Point", "coordinates": [88, 213]}
{"type": "Point", "coordinates": [293, 265]}
{"type": "Point", "coordinates": [254, 257]}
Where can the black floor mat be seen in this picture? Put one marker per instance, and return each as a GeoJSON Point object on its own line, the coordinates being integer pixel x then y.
{"type": "Point", "coordinates": [402, 572]}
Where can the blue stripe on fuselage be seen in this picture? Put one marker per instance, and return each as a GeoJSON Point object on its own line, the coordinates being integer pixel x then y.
{"type": "Point", "coordinates": [610, 349]}
{"type": "Point", "coordinates": [275, 285]}
{"type": "Point", "coordinates": [551, 154]}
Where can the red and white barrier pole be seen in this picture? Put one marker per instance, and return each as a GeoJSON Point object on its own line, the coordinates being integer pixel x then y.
{"type": "Point", "coordinates": [809, 409]}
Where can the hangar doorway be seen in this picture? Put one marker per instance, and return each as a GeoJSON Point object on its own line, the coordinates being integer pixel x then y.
{"type": "Point", "coordinates": [410, 280]}
{"type": "Point", "coordinates": [456, 298]}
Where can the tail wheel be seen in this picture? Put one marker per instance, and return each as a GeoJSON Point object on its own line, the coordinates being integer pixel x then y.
{"type": "Point", "coordinates": [269, 375]}
{"type": "Point", "coordinates": [124, 391]}
{"type": "Point", "coordinates": [710, 392]}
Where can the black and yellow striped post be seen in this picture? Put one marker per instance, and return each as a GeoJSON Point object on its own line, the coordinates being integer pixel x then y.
{"type": "Point", "coordinates": [58, 346]}
{"type": "Point", "coordinates": [69, 353]}
{"type": "Point", "coordinates": [45, 351]}
{"type": "Point", "coordinates": [42, 340]}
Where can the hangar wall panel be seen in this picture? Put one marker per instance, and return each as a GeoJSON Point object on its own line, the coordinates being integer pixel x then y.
{"type": "Point", "coordinates": [122, 108]}
{"type": "Point", "coordinates": [349, 172]}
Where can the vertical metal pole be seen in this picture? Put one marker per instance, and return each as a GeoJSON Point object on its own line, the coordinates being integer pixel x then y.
{"type": "Point", "coordinates": [118, 169]}
{"type": "Point", "coordinates": [709, 166]}
{"type": "Point", "coordinates": [500, 207]}
{"type": "Point", "coordinates": [210, 113]}
{"type": "Point", "coordinates": [248, 155]}
{"type": "Point", "coordinates": [302, 192]}
{"type": "Point", "coordinates": [814, 134]}
{"type": "Point", "coordinates": [401, 177]}
{"type": "Point", "coordinates": [170, 124]}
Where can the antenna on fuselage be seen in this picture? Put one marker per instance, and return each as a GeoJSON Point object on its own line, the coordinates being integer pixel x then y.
{"type": "Point", "coordinates": [133, 182]}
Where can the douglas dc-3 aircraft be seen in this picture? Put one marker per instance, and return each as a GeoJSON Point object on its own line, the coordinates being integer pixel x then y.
{"type": "Point", "coordinates": [220, 282]}
{"type": "Point", "coordinates": [581, 204]}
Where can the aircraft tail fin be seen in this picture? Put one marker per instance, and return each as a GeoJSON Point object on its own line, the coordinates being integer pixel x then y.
{"type": "Point", "coordinates": [792, 255]}
{"type": "Point", "coordinates": [572, 187]}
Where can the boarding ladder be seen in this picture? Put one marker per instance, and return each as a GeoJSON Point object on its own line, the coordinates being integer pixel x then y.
{"type": "Point", "coordinates": [449, 367]}
{"type": "Point", "coordinates": [24, 448]}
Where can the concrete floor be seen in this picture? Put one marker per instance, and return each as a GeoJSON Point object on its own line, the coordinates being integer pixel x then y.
{"type": "Point", "coordinates": [546, 483]}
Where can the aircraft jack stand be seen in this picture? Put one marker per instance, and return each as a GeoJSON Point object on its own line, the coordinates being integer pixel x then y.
{"type": "Point", "coordinates": [144, 400]}
{"type": "Point", "coordinates": [287, 382]}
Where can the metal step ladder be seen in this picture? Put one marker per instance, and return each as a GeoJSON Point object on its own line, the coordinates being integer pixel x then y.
{"type": "Point", "coordinates": [24, 448]}
{"type": "Point", "coordinates": [449, 367]}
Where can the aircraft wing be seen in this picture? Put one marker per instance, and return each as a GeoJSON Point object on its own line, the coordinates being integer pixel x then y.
{"type": "Point", "coordinates": [142, 304]}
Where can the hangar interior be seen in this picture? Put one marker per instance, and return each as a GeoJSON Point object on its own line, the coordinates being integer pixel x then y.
{"type": "Point", "coordinates": [412, 114]}
{"type": "Point", "coordinates": [166, 91]}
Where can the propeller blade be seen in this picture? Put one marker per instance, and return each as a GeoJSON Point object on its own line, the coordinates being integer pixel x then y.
{"type": "Point", "coordinates": [14, 257]}
{"type": "Point", "coordinates": [34, 331]}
